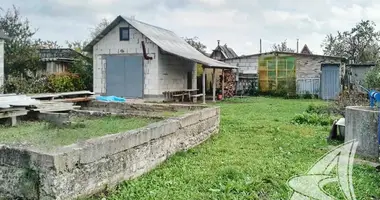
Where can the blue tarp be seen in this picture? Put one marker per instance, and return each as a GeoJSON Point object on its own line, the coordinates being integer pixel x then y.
{"type": "Point", "coordinates": [110, 99]}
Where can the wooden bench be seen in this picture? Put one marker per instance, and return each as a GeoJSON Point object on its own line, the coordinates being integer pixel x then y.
{"type": "Point", "coordinates": [179, 95]}
{"type": "Point", "coordinates": [195, 97]}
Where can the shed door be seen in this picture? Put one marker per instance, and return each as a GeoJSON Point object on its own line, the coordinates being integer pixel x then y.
{"type": "Point", "coordinates": [124, 76]}
{"type": "Point", "coordinates": [330, 82]}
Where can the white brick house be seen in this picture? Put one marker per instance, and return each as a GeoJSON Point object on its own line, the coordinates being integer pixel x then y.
{"type": "Point", "coordinates": [3, 37]}
{"type": "Point", "coordinates": [121, 67]}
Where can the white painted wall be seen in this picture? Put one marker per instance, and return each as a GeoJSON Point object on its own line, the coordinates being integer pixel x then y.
{"type": "Point", "coordinates": [1, 64]}
{"type": "Point", "coordinates": [247, 65]}
{"type": "Point", "coordinates": [111, 45]}
{"type": "Point", "coordinates": [172, 72]}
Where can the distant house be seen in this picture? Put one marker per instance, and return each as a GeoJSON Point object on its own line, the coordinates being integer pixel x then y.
{"type": "Point", "coordinates": [3, 37]}
{"type": "Point", "coordinates": [133, 59]}
{"type": "Point", "coordinates": [222, 52]}
{"type": "Point", "coordinates": [305, 50]}
{"type": "Point", "coordinates": [314, 74]}
{"type": "Point", "coordinates": [58, 60]}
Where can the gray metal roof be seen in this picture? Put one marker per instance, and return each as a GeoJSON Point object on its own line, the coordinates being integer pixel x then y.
{"type": "Point", "coordinates": [167, 40]}
{"type": "Point", "coordinates": [3, 35]}
{"type": "Point", "coordinates": [229, 52]}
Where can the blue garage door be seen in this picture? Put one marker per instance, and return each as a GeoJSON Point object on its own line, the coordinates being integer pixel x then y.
{"type": "Point", "coordinates": [330, 82]}
{"type": "Point", "coordinates": [124, 76]}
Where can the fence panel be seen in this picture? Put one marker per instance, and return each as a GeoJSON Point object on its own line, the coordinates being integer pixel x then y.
{"type": "Point", "coordinates": [308, 85]}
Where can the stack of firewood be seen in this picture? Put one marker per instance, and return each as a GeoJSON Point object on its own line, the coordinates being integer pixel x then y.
{"type": "Point", "coordinates": [229, 83]}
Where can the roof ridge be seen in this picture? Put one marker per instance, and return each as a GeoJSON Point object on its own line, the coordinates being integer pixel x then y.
{"type": "Point", "coordinates": [128, 18]}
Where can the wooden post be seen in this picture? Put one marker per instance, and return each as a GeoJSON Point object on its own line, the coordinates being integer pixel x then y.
{"type": "Point", "coordinates": [204, 85]}
{"type": "Point", "coordinates": [194, 80]}
{"type": "Point", "coordinates": [213, 85]}
{"type": "Point", "coordinates": [223, 83]}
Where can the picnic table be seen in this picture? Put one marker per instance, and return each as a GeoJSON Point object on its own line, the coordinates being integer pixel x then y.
{"type": "Point", "coordinates": [181, 94]}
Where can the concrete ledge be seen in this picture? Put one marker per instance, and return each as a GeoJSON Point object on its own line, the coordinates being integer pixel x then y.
{"type": "Point", "coordinates": [87, 167]}
{"type": "Point", "coordinates": [362, 125]}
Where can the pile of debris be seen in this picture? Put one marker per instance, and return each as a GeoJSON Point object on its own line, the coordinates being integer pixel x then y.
{"type": "Point", "coordinates": [14, 105]}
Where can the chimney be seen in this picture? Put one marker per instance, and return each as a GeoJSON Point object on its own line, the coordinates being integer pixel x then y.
{"type": "Point", "coordinates": [218, 42]}
{"type": "Point", "coordinates": [260, 46]}
{"type": "Point", "coordinates": [297, 44]}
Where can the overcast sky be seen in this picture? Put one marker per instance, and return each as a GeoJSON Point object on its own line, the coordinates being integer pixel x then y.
{"type": "Point", "coordinates": [239, 23]}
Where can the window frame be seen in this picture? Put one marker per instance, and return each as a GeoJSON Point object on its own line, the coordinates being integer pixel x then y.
{"type": "Point", "coordinates": [121, 29]}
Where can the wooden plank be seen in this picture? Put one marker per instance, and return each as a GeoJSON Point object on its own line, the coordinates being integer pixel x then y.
{"type": "Point", "coordinates": [57, 95]}
{"type": "Point", "coordinates": [79, 99]}
{"type": "Point", "coordinates": [13, 114]}
{"type": "Point", "coordinates": [12, 109]}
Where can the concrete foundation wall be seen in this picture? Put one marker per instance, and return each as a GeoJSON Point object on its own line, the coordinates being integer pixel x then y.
{"type": "Point", "coordinates": [362, 125]}
{"type": "Point", "coordinates": [111, 45]}
{"type": "Point", "coordinates": [88, 167]}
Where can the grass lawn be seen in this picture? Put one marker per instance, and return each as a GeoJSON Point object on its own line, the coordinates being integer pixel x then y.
{"type": "Point", "coordinates": [44, 135]}
{"type": "Point", "coordinates": [256, 152]}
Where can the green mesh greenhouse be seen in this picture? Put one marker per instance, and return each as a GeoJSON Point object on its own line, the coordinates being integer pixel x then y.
{"type": "Point", "coordinates": [277, 72]}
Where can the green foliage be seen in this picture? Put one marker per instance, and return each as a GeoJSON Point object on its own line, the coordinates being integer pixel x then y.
{"type": "Point", "coordinates": [318, 109]}
{"type": "Point", "coordinates": [286, 89]}
{"type": "Point", "coordinates": [252, 89]}
{"type": "Point", "coordinates": [18, 84]}
{"type": "Point", "coordinates": [372, 78]}
{"type": "Point", "coordinates": [359, 44]}
{"type": "Point", "coordinates": [313, 119]}
{"type": "Point", "coordinates": [20, 53]}
{"type": "Point", "coordinates": [307, 95]}
{"type": "Point", "coordinates": [65, 82]}
{"type": "Point", "coordinates": [83, 68]}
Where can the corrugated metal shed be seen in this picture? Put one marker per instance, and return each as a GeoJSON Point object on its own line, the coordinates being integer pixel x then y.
{"type": "Point", "coordinates": [167, 40]}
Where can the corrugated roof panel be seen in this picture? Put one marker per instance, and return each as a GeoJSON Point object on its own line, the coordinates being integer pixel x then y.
{"type": "Point", "coordinates": [171, 43]}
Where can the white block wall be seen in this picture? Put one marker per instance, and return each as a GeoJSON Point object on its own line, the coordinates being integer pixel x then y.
{"type": "Point", "coordinates": [310, 66]}
{"type": "Point", "coordinates": [1, 64]}
{"type": "Point", "coordinates": [247, 65]}
{"type": "Point", "coordinates": [173, 72]}
{"type": "Point", "coordinates": [111, 45]}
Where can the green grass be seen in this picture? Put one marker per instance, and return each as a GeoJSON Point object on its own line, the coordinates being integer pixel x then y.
{"type": "Point", "coordinates": [254, 155]}
{"type": "Point", "coordinates": [43, 134]}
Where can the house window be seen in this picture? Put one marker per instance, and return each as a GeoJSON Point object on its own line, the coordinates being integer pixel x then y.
{"type": "Point", "coordinates": [124, 33]}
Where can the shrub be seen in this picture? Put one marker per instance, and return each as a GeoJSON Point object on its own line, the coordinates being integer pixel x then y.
{"type": "Point", "coordinates": [307, 95]}
{"type": "Point", "coordinates": [318, 109]}
{"type": "Point", "coordinates": [349, 98]}
{"type": "Point", "coordinates": [372, 78]}
{"type": "Point", "coordinates": [313, 119]}
{"type": "Point", "coordinates": [65, 82]}
{"type": "Point", "coordinates": [19, 84]}
{"type": "Point", "coordinates": [83, 68]}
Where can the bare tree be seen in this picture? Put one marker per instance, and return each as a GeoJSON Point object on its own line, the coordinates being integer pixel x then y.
{"type": "Point", "coordinates": [282, 47]}
{"type": "Point", "coordinates": [99, 28]}
{"type": "Point", "coordinates": [196, 44]}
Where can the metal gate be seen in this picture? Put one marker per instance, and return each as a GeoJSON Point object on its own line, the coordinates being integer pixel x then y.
{"type": "Point", "coordinates": [330, 81]}
{"type": "Point", "coordinates": [124, 76]}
